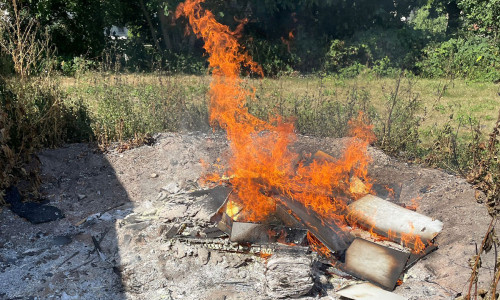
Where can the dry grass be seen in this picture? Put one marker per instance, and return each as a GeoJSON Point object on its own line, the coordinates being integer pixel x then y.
{"type": "Point", "coordinates": [310, 100]}
{"type": "Point", "coordinates": [479, 100]}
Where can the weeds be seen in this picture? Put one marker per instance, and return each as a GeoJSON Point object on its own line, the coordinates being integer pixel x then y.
{"type": "Point", "coordinates": [398, 131]}
{"type": "Point", "coordinates": [32, 117]}
{"type": "Point", "coordinates": [19, 39]}
{"type": "Point", "coordinates": [418, 123]}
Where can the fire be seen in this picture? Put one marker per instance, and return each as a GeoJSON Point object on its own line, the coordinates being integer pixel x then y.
{"type": "Point", "coordinates": [261, 162]}
{"type": "Point", "coordinates": [414, 203]}
{"type": "Point", "coordinates": [318, 247]}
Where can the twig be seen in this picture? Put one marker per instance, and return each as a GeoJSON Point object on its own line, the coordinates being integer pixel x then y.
{"type": "Point", "coordinates": [83, 264]}
{"type": "Point", "coordinates": [474, 274]}
{"type": "Point", "coordinates": [102, 212]}
{"type": "Point", "coordinates": [495, 283]}
{"type": "Point", "coordinates": [73, 255]}
{"type": "Point", "coordinates": [495, 275]}
{"type": "Point", "coordinates": [442, 287]}
{"type": "Point", "coordinates": [475, 281]}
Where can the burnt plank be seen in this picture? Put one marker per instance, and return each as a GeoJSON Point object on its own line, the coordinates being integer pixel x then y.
{"type": "Point", "coordinates": [335, 238]}
{"type": "Point", "coordinates": [375, 263]}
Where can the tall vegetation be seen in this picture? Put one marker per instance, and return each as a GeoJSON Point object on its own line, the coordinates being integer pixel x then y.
{"type": "Point", "coordinates": [422, 36]}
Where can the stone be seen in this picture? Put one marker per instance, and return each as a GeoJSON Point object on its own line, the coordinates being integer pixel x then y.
{"type": "Point", "coordinates": [173, 211]}
{"type": "Point", "coordinates": [203, 255]}
{"type": "Point", "coordinates": [179, 250]}
{"type": "Point", "coordinates": [216, 258]}
{"type": "Point", "coordinates": [65, 296]}
{"type": "Point", "coordinates": [171, 187]}
{"type": "Point", "coordinates": [62, 240]}
{"type": "Point", "coordinates": [106, 217]}
{"type": "Point", "coordinates": [154, 175]}
{"type": "Point", "coordinates": [137, 226]}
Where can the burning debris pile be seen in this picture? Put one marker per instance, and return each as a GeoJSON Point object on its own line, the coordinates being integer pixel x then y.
{"type": "Point", "coordinates": [275, 198]}
{"type": "Point", "coordinates": [378, 241]}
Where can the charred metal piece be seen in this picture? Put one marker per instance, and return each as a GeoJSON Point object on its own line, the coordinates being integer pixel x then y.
{"type": "Point", "coordinates": [251, 233]}
{"type": "Point", "coordinates": [173, 231]}
{"type": "Point", "coordinates": [225, 223]}
{"type": "Point", "coordinates": [375, 263]}
{"type": "Point", "coordinates": [295, 236]}
{"type": "Point", "coordinates": [213, 202]}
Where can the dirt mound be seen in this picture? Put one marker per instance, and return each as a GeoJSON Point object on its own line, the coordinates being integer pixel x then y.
{"type": "Point", "coordinates": [119, 207]}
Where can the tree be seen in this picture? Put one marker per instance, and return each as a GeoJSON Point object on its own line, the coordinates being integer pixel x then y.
{"type": "Point", "coordinates": [482, 16]}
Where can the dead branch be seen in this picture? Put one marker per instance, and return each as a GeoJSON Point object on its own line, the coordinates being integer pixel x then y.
{"type": "Point", "coordinates": [475, 271]}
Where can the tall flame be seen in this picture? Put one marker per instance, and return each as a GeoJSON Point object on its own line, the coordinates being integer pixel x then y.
{"type": "Point", "coordinates": [260, 160]}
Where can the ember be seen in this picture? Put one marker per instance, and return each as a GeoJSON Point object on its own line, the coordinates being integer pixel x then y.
{"type": "Point", "coordinates": [274, 187]}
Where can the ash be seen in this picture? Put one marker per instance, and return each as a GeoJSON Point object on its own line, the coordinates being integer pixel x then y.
{"type": "Point", "coordinates": [123, 209]}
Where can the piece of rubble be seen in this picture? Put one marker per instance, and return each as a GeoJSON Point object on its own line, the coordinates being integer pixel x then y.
{"type": "Point", "coordinates": [208, 207]}
{"type": "Point", "coordinates": [288, 275]}
{"type": "Point", "coordinates": [173, 211]}
{"type": "Point", "coordinates": [203, 255]}
{"type": "Point", "coordinates": [171, 188]}
{"type": "Point", "coordinates": [378, 214]}
{"type": "Point", "coordinates": [367, 291]}
{"type": "Point", "coordinates": [378, 264]}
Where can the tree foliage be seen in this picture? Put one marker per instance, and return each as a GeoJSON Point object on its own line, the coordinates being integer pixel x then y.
{"type": "Point", "coordinates": [282, 35]}
{"type": "Point", "coordinates": [483, 16]}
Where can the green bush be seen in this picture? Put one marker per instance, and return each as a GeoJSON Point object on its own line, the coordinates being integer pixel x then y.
{"type": "Point", "coordinates": [274, 58]}
{"type": "Point", "coordinates": [33, 115]}
{"type": "Point", "coordinates": [475, 58]}
{"type": "Point", "coordinates": [185, 63]}
{"type": "Point", "coordinates": [383, 68]}
{"type": "Point", "coordinates": [341, 55]}
{"type": "Point", "coordinates": [122, 108]}
{"type": "Point", "coordinates": [76, 66]}
{"type": "Point", "coordinates": [422, 19]}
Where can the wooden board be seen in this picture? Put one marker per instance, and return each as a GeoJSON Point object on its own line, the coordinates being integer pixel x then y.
{"type": "Point", "coordinates": [368, 291]}
{"type": "Point", "coordinates": [375, 263]}
{"type": "Point", "coordinates": [335, 238]}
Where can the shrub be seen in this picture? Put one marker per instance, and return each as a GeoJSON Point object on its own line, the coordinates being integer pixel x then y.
{"type": "Point", "coordinates": [383, 67]}
{"type": "Point", "coordinates": [341, 55]}
{"type": "Point", "coordinates": [274, 58]}
{"type": "Point", "coordinates": [475, 58]}
{"type": "Point", "coordinates": [76, 66]}
{"type": "Point", "coordinates": [33, 115]}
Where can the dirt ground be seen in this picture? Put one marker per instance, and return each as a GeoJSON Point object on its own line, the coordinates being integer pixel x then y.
{"type": "Point", "coordinates": [118, 206]}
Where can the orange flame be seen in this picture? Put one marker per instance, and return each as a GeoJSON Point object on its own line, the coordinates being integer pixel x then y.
{"type": "Point", "coordinates": [318, 247]}
{"type": "Point", "coordinates": [260, 160]}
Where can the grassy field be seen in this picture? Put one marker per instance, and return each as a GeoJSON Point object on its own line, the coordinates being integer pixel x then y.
{"type": "Point", "coordinates": [121, 106]}
{"type": "Point", "coordinates": [440, 123]}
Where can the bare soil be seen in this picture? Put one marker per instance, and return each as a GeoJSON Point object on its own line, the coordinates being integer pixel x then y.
{"type": "Point", "coordinates": [124, 203]}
